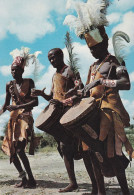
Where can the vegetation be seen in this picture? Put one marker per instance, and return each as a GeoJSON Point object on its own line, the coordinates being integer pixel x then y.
{"type": "Point", "coordinates": [130, 134]}
{"type": "Point", "coordinates": [48, 143]}
{"type": "Point", "coordinates": [73, 60]}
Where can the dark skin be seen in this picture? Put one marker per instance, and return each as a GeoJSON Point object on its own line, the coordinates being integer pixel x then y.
{"type": "Point", "coordinates": [56, 59]}
{"type": "Point", "coordinates": [17, 75]}
{"type": "Point", "coordinates": [100, 52]}
{"type": "Point", "coordinates": [57, 62]}
{"type": "Point", "coordinates": [17, 72]}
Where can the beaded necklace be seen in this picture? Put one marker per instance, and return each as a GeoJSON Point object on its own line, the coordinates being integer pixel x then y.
{"type": "Point", "coordinates": [93, 74]}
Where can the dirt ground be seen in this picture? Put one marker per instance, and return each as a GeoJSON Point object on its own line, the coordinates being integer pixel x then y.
{"type": "Point", "coordinates": [51, 175]}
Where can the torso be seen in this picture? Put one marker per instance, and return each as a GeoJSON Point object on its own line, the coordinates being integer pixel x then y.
{"type": "Point", "coordinates": [62, 82]}
{"type": "Point", "coordinates": [20, 93]}
{"type": "Point", "coordinates": [111, 99]}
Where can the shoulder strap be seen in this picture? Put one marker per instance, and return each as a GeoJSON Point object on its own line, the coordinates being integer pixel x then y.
{"type": "Point", "coordinates": [16, 91]}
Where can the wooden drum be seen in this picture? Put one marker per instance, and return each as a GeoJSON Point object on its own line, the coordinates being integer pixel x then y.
{"type": "Point", "coordinates": [48, 117]}
{"type": "Point", "coordinates": [48, 121]}
{"type": "Point", "coordinates": [83, 120]}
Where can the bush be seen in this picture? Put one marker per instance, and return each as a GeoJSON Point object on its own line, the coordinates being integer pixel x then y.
{"type": "Point", "coordinates": [47, 140]}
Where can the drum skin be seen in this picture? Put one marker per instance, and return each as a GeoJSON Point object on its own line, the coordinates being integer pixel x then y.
{"type": "Point", "coordinates": [77, 112]}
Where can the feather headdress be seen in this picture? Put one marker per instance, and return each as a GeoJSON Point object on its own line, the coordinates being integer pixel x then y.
{"type": "Point", "coordinates": [91, 15]}
{"type": "Point", "coordinates": [24, 53]}
{"type": "Point", "coordinates": [118, 45]}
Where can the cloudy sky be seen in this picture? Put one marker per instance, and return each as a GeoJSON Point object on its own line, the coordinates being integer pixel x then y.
{"type": "Point", "coordinates": [39, 26]}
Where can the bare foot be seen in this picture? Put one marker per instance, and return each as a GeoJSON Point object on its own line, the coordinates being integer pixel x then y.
{"type": "Point", "coordinates": [69, 188]}
{"type": "Point", "coordinates": [22, 184]}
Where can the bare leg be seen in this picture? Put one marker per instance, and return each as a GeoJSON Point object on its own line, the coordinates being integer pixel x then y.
{"type": "Point", "coordinates": [22, 174]}
{"type": "Point", "coordinates": [25, 161]}
{"type": "Point", "coordinates": [69, 164]}
{"type": "Point", "coordinates": [98, 175]}
{"type": "Point", "coordinates": [89, 168]}
{"type": "Point", "coordinates": [120, 174]}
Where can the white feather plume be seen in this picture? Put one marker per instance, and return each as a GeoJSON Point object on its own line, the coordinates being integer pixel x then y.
{"type": "Point", "coordinates": [90, 15]}
{"type": "Point", "coordinates": [25, 53]}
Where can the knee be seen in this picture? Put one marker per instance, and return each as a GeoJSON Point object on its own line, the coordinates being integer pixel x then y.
{"type": "Point", "coordinates": [21, 154]}
{"type": "Point", "coordinates": [66, 150]}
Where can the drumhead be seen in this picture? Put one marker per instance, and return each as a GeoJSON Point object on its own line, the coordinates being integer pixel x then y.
{"type": "Point", "coordinates": [48, 117]}
{"type": "Point", "coordinates": [78, 111]}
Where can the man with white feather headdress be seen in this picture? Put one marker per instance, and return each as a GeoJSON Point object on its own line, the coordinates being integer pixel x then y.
{"type": "Point", "coordinates": [20, 125]}
{"type": "Point", "coordinates": [106, 77]}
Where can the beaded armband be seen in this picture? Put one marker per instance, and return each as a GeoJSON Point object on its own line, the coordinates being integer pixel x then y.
{"type": "Point", "coordinates": [109, 83]}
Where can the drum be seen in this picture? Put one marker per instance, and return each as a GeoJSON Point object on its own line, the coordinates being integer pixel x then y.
{"type": "Point", "coordinates": [48, 117]}
{"type": "Point", "coordinates": [48, 121]}
{"type": "Point", "coordinates": [83, 120]}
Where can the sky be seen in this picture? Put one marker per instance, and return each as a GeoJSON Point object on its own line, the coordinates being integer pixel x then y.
{"type": "Point", "coordinates": [38, 25]}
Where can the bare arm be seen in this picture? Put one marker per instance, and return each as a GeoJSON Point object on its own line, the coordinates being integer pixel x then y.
{"type": "Point", "coordinates": [41, 93]}
{"type": "Point", "coordinates": [122, 81]}
{"type": "Point", "coordinates": [47, 97]}
{"type": "Point", "coordinates": [77, 86]}
{"type": "Point", "coordinates": [7, 99]}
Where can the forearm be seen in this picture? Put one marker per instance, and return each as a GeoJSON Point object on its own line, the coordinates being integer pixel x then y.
{"type": "Point", "coordinates": [120, 84]}
{"type": "Point", "coordinates": [30, 104]}
{"type": "Point", "coordinates": [91, 85]}
{"type": "Point", "coordinates": [46, 97]}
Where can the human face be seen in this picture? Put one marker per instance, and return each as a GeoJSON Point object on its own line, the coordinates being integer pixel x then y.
{"type": "Point", "coordinates": [16, 72]}
{"type": "Point", "coordinates": [55, 59]}
{"type": "Point", "coordinates": [98, 51]}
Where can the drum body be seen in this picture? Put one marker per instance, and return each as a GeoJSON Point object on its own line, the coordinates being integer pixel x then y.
{"type": "Point", "coordinates": [48, 121]}
{"type": "Point", "coordinates": [48, 117]}
{"type": "Point", "coordinates": [83, 120]}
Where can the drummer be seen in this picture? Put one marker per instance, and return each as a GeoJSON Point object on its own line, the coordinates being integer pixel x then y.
{"type": "Point", "coordinates": [64, 80]}
{"type": "Point", "coordinates": [105, 78]}
{"type": "Point", "coordinates": [20, 125]}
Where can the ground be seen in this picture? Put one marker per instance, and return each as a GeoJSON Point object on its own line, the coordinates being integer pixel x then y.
{"type": "Point", "coordinates": [50, 174]}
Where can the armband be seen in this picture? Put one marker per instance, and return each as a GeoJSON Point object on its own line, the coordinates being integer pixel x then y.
{"type": "Point", "coordinates": [109, 83]}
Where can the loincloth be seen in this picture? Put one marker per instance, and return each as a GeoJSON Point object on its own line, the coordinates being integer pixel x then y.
{"type": "Point", "coordinates": [113, 134]}
{"type": "Point", "coordinates": [17, 131]}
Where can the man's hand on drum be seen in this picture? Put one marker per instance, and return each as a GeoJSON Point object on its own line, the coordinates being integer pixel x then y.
{"type": "Point", "coordinates": [36, 92]}
{"type": "Point", "coordinates": [62, 103]}
{"type": "Point", "coordinates": [67, 101]}
{"type": "Point", "coordinates": [57, 103]}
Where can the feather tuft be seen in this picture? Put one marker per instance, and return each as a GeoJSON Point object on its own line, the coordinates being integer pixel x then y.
{"type": "Point", "coordinates": [118, 44]}
{"type": "Point", "coordinates": [25, 53]}
{"type": "Point", "coordinates": [90, 15]}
